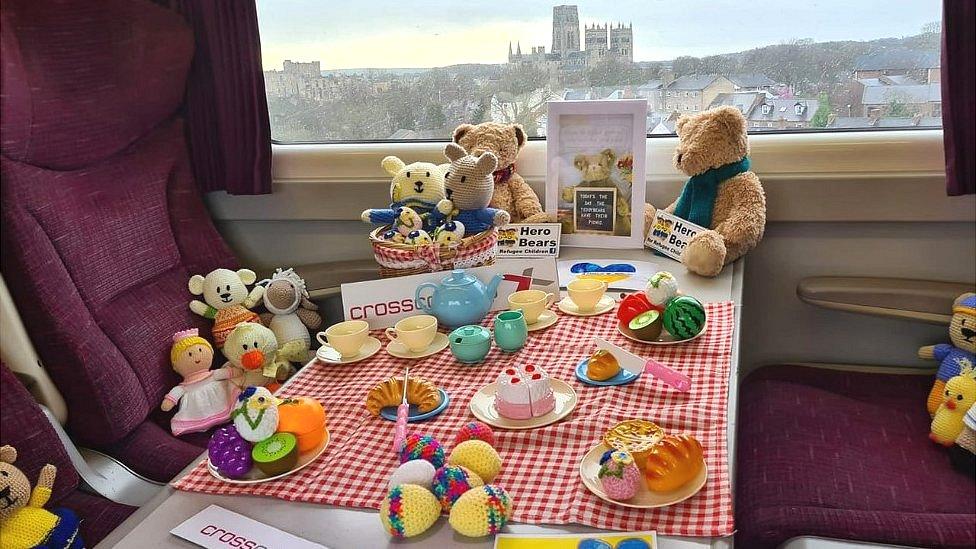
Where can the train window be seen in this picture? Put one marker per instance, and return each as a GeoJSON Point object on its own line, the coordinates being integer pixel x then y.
{"type": "Point", "coordinates": [414, 73]}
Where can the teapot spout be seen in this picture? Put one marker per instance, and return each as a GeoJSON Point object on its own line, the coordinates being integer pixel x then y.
{"type": "Point", "coordinates": [492, 290]}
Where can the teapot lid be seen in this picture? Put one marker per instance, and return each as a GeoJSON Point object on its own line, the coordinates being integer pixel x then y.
{"type": "Point", "coordinates": [459, 278]}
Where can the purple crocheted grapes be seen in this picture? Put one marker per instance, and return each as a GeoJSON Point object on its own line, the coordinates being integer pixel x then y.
{"type": "Point", "coordinates": [229, 453]}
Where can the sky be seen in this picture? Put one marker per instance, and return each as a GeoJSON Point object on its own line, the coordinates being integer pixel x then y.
{"type": "Point", "coordinates": [402, 33]}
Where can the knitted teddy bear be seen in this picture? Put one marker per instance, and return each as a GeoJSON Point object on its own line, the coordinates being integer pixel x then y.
{"type": "Point", "coordinates": [721, 194]}
{"type": "Point", "coordinates": [206, 397]}
{"type": "Point", "coordinates": [290, 314]}
{"type": "Point", "coordinates": [597, 171]}
{"type": "Point", "coordinates": [415, 189]}
{"type": "Point", "coordinates": [252, 349]}
{"type": "Point", "coordinates": [24, 522]}
{"type": "Point", "coordinates": [961, 352]}
{"type": "Point", "coordinates": [511, 192]}
{"type": "Point", "coordinates": [468, 186]}
{"type": "Point", "coordinates": [228, 302]}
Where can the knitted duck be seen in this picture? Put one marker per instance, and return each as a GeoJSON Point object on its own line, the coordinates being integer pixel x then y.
{"type": "Point", "coordinates": [959, 394]}
{"type": "Point", "coordinates": [253, 350]}
{"type": "Point", "coordinates": [256, 415]}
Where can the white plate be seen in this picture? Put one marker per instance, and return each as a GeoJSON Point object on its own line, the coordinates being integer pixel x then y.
{"type": "Point", "coordinates": [665, 338]}
{"type": "Point", "coordinates": [606, 304]}
{"type": "Point", "coordinates": [645, 499]}
{"type": "Point", "coordinates": [256, 476]}
{"type": "Point", "coordinates": [330, 356]}
{"type": "Point", "coordinates": [546, 319]}
{"type": "Point", "coordinates": [399, 350]}
{"type": "Point", "coordinates": [483, 407]}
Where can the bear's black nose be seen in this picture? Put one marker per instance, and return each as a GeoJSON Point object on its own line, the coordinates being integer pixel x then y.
{"type": "Point", "coordinates": [418, 186]}
{"type": "Point", "coordinates": [967, 334]}
{"type": "Point", "coordinates": [225, 295]}
{"type": "Point", "coordinates": [449, 192]}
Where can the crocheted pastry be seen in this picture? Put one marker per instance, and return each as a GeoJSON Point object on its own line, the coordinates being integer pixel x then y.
{"type": "Point", "coordinates": [635, 436]}
{"type": "Point", "coordinates": [420, 392]}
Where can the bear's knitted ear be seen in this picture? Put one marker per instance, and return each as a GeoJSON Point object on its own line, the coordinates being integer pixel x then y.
{"type": "Point", "coordinates": [461, 130]}
{"type": "Point", "coordinates": [247, 276]}
{"type": "Point", "coordinates": [196, 284]}
{"type": "Point", "coordinates": [682, 120]}
{"type": "Point", "coordinates": [519, 135]}
{"type": "Point", "coordinates": [580, 161]}
{"type": "Point", "coordinates": [730, 118]}
{"type": "Point", "coordinates": [392, 165]}
{"type": "Point", "coordinates": [8, 454]}
{"type": "Point", "coordinates": [609, 155]}
{"type": "Point", "coordinates": [487, 163]}
{"type": "Point", "coordinates": [453, 152]}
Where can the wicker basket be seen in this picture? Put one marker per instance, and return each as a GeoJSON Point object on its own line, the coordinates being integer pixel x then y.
{"type": "Point", "coordinates": [404, 259]}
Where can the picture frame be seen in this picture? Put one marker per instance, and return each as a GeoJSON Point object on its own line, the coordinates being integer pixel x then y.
{"type": "Point", "coordinates": [596, 152]}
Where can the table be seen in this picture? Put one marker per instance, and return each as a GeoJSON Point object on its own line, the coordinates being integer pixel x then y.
{"type": "Point", "coordinates": [338, 527]}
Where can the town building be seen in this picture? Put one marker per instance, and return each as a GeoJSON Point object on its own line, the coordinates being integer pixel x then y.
{"type": "Point", "coordinates": [744, 101]}
{"type": "Point", "coordinates": [894, 100]}
{"type": "Point", "coordinates": [622, 42]}
{"type": "Point", "coordinates": [691, 94]}
{"type": "Point", "coordinates": [780, 114]}
{"type": "Point", "coordinates": [752, 82]}
{"type": "Point", "coordinates": [922, 66]}
{"type": "Point", "coordinates": [600, 41]}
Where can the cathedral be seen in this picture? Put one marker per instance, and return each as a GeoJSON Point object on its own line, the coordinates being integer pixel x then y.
{"type": "Point", "coordinates": [599, 42]}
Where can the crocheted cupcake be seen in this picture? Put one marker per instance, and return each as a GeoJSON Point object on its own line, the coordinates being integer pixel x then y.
{"type": "Point", "coordinates": [451, 482]}
{"type": "Point", "coordinates": [479, 457]}
{"type": "Point", "coordinates": [475, 430]}
{"type": "Point", "coordinates": [481, 511]}
{"type": "Point", "coordinates": [619, 475]}
{"type": "Point", "coordinates": [408, 510]}
{"type": "Point", "coordinates": [418, 446]}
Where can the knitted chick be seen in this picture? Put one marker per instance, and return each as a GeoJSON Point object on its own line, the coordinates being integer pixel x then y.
{"type": "Point", "coordinates": [469, 186]}
{"type": "Point", "coordinates": [951, 356]}
{"type": "Point", "coordinates": [959, 394]}
{"type": "Point", "coordinates": [419, 186]}
{"type": "Point", "coordinates": [23, 520]}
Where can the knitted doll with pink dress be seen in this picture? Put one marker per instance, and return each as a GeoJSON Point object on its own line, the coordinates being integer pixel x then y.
{"type": "Point", "coordinates": [206, 397]}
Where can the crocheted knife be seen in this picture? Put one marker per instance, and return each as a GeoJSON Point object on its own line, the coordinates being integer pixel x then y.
{"type": "Point", "coordinates": [637, 365]}
{"type": "Point", "coordinates": [403, 412]}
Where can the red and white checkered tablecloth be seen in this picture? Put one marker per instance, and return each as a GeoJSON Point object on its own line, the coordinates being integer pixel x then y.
{"type": "Point", "coordinates": [540, 466]}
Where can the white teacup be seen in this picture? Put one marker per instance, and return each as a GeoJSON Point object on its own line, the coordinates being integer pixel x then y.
{"type": "Point", "coordinates": [531, 302]}
{"type": "Point", "coordinates": [416, 333]}
{"type": "Point", "coordinates": [586, 293]}
{"type": "Point", "coordinates": [345, 337]}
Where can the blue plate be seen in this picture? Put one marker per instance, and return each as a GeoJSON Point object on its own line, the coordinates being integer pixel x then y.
{"type": "Point", "coordinates": [390, 412]}
{"type": "Point", "coordinates": [623, 377]}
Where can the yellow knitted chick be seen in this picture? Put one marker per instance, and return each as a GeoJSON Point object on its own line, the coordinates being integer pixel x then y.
{"type": "Point", "coordinates": [958, 396]}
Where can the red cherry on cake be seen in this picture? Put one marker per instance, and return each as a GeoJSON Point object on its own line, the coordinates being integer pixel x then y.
{"type": "Point", "coordinates": [515, 380]}
{"type": "Point", "coordinates": [536, 376]}
{"type": "Point", "coordinates": [510, 372]}
{"type": "Point", "coordinates": [530, 368]}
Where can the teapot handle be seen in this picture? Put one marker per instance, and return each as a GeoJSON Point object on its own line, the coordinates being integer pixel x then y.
{"type": "Point", "coordinates": [421, 303]}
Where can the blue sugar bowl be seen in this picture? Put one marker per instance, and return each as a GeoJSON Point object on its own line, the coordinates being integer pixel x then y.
{"type": "Point", "coordinates": [470, 344]}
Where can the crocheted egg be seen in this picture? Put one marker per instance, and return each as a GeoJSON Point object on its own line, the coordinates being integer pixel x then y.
{"type": "Point", "coordinates": [479, 457]}
{"type": "Point", "coordinates": [619, 475]}
{"type": "Point", "coordinates": [415, 471]}
{"type": "Point", "coordinates": [481, 511]}
{"type": "Point", "coordinates": [408, 510]}
{"type": "Point", "coordinates": [661, 288]}
{"type": "Point", "coordinates": [450, 482]}
{"type": "Point", "coordinates": [475, 430]}
{"type": "Point", "coordinates": [684, 317]}
{"type": "Point", "coordinates": [418, 446]}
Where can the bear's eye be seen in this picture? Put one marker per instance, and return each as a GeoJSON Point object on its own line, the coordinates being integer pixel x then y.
{"type": "Point", "coordinates": [463, 177]}
{"type": "Point", "coordinates": [958, 397]}
{"type": "Point", "coordinates": [448, 174]}
{"type": "Point", "coordinates": [245, 348]}
{"type": "Point", "coordinates": [255, 344]}
{"type": "Point", "coordinates": [4, 473]}
{"type": "Point", "coordinates": [947, 392]}
{"type": "Point", "coordinates": [428, 174]}
{"type": "Point", "coordinates": [408, 175]}
{"type": "Point", "coordinates": [963, 323]}
{"type": "Point", "coordinates": [228, 287]}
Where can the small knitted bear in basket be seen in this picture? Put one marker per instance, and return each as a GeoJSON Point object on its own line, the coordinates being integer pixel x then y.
{"type": "Point", "coordinates": [469, 187]}
{"type": "Point", "coordinates": [24, 522]}
{"type": "Point", "coordinates": [953, 356]}
{"type": "Point", "coordinates": [290, 314]}
{"type": "Point", "coordinates": [228, 301]}
{"type": "Point", "coordinates": [416, 187]}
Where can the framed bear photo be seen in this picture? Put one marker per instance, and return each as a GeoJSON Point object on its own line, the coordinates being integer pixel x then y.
{"type": "Point", "coordinates": [595, 155]}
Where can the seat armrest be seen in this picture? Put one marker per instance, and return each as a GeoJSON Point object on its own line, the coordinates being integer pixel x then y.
{"type": "Point", "coordinates": [923, 300]}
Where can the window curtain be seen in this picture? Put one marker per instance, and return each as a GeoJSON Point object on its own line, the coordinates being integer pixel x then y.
{"type": "Point", "coordinates": [226, 109]}
{"type": "Point", "coordinates": [959, 95]}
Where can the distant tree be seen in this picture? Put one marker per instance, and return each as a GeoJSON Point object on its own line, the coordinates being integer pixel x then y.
{"type": "Point", "coordinates": [522, 78]}
{"type": "Point", "coordinates": [480, 113]}
{"type": "Point", "coordinates": [820, 117]}
{"type": "Point", "coordinates": [611, 71]}
{"type": "Point", "coordinates": [434, 118]}
{"type": "Point", "coordinates": [932, 27]}
{"type": "Point", "coordinates": [897, 109]}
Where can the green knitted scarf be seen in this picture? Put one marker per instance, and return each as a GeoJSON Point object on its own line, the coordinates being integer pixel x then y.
{"type": "Point", "coordinates": [698, 197]}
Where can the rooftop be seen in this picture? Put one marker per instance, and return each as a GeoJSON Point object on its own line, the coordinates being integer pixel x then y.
{"type": "Point", "coordinates": [693, 82]}
{"type": "Point", "coordinates": [897, 58]}
{"type": "Point", "coordinates": [918, 93]}
{"type": "Point", "coordinates": [784, 109]}
{"type": "Point", "coordinates": [744, 101]}
{"type": "Point", "coordinates": [751, 80]}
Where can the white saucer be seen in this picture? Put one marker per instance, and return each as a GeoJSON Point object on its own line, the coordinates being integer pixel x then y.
{"type": "Point", "coordinates": [331, 356]}
{"type": "Point", "coordinates": [605, 304]}
{"type": "Point", "coordinates": [399, 350]}
{"type": "Point", "coordinates": [483, 407]}
{"type": "Point", "coordinates": [256, 476]}
{"type": "Point", "coordinates": [645, 499]}
{"type": "Point", "coordinates": [546, 319]}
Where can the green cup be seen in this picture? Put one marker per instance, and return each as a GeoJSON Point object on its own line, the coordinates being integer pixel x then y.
{"type": "Point", "coordinates": [510, 331]}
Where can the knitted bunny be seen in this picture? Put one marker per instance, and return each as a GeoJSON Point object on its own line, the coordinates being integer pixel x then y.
{"type": "Point", "coordinates": [24, 522]}
{"type": "Point", "coordinates": [469, 186]}
{"type": "Point", "coordinates": [290, 314]}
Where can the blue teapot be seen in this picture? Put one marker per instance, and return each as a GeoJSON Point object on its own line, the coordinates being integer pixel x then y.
{"type": "Point", "coordinates": [459, 299]}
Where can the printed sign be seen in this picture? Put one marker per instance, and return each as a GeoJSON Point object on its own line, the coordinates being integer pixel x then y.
{"type": "Point", "coordinates": [218, 528]}
{"type": "Point", "coordinates": [670, 234]}
{"type": "Point", "coordinates": [383, 302]}
{"type": "Point", "coordinates": [529, 240]}
{"type": "Point", "coordinates": [596, 540]}
{"type": "Point", "coordinates": [594, 210]}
